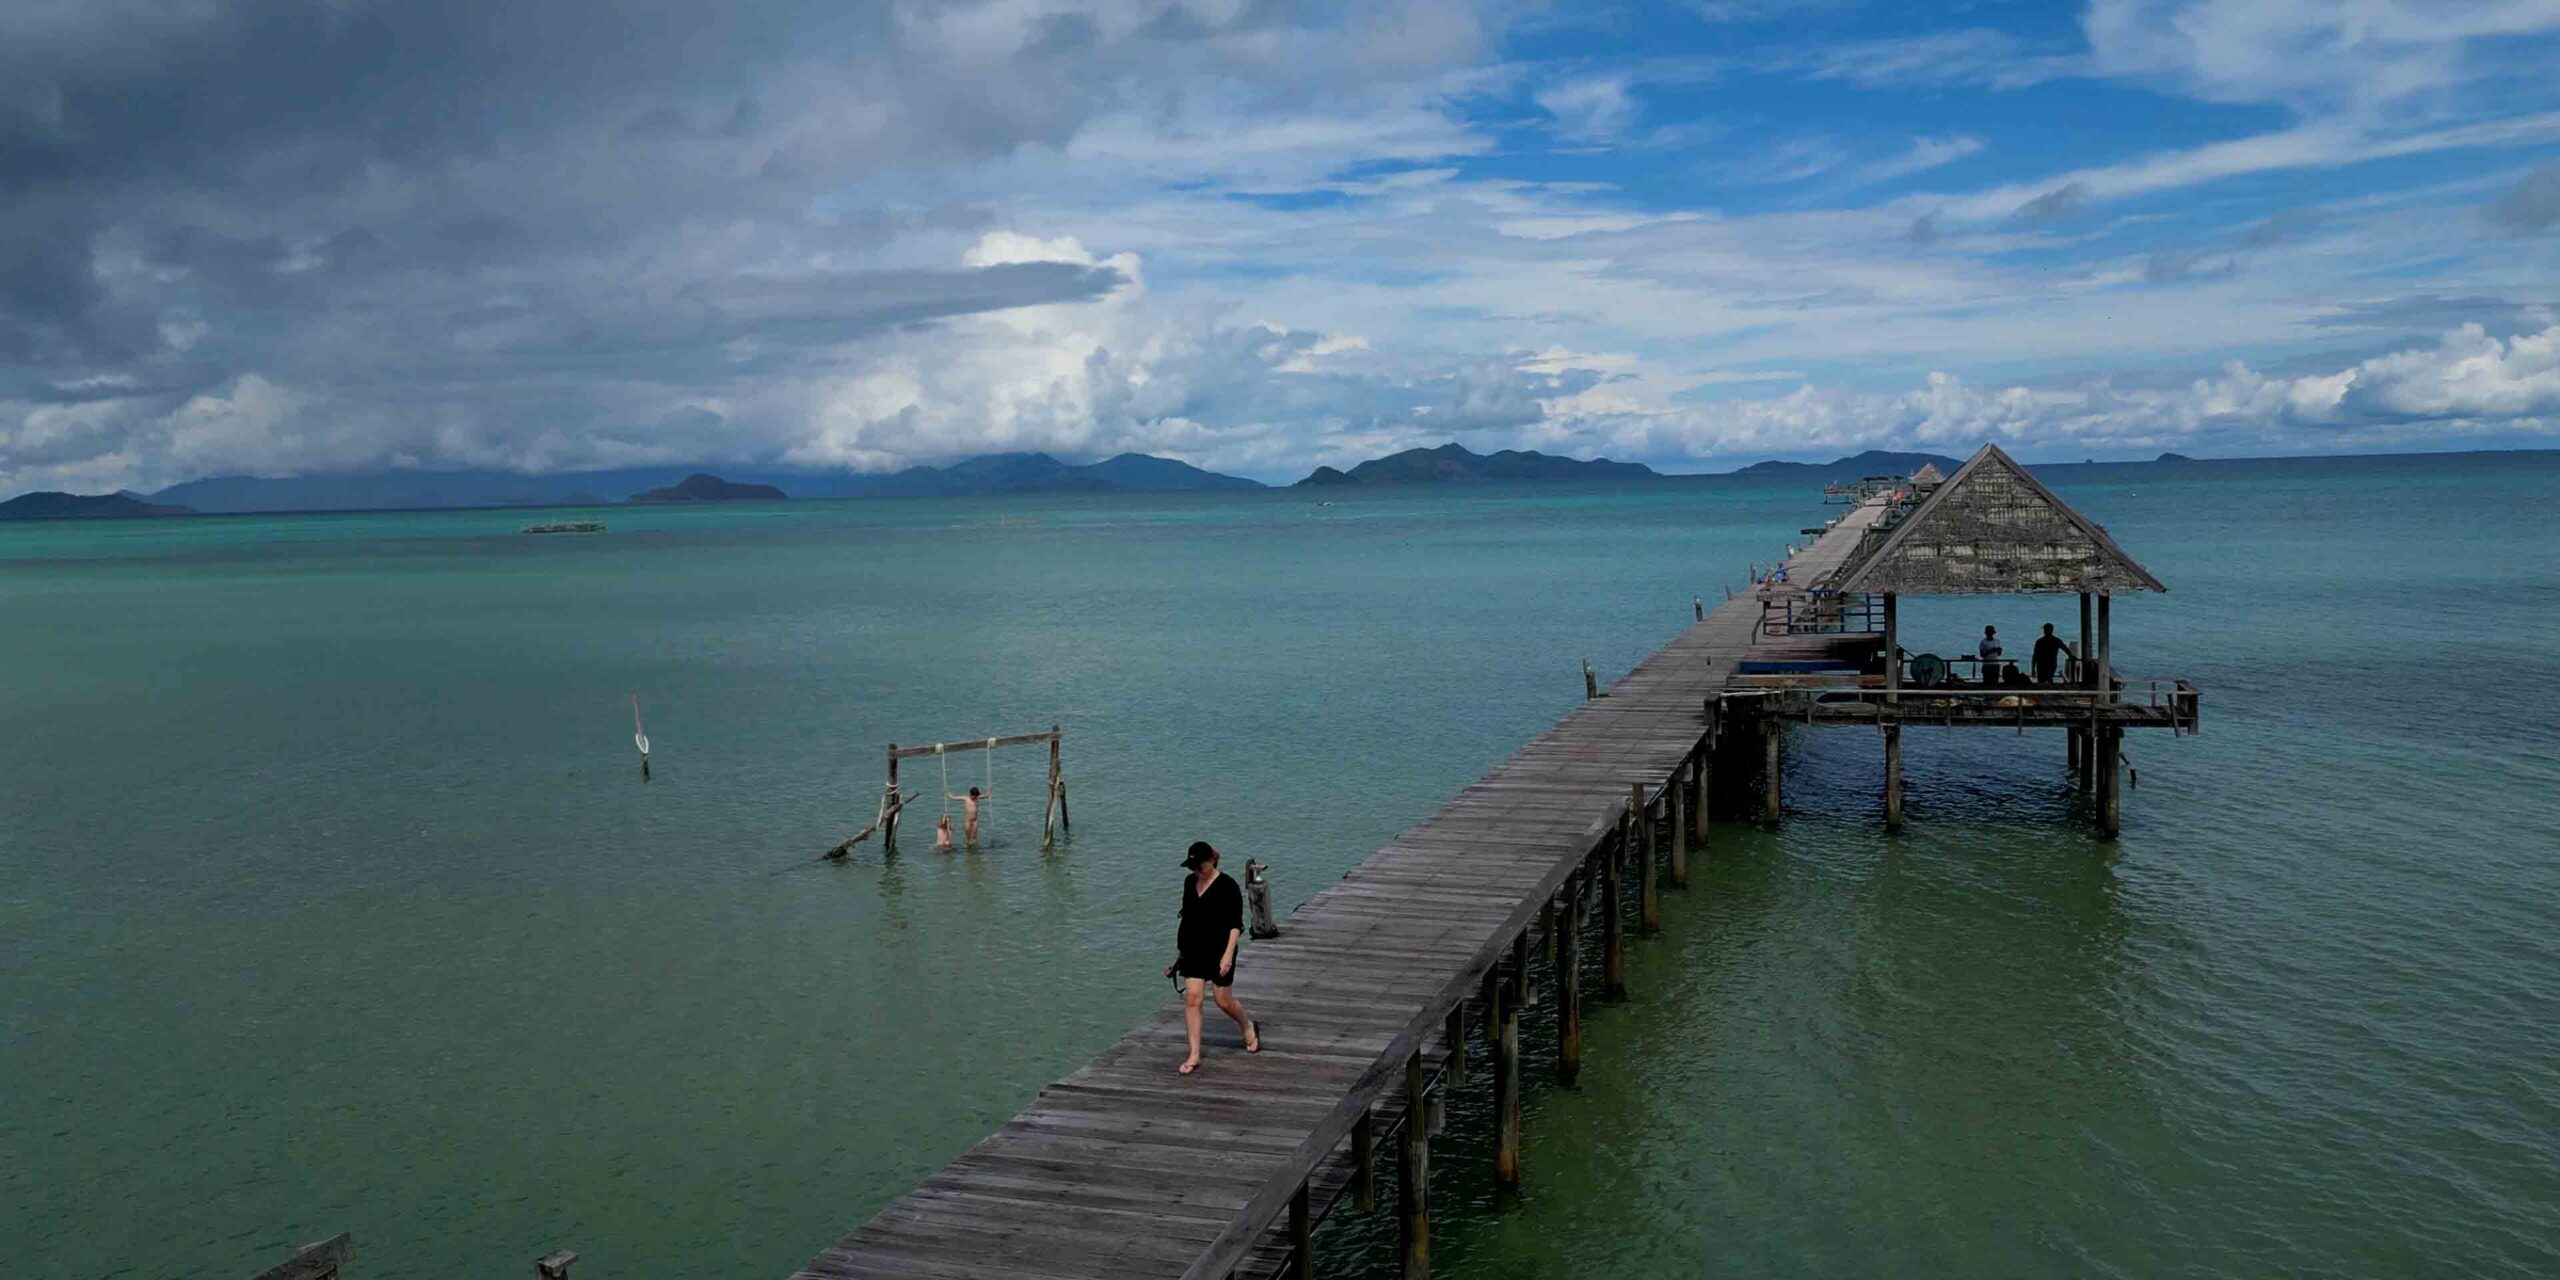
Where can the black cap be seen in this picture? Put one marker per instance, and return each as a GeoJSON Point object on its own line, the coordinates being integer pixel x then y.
{"type": "Point", "coordinates": [1200, 852]}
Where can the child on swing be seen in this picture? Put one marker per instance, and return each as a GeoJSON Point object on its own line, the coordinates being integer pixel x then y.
{"type": "Point", "coordinates": [970, 828]}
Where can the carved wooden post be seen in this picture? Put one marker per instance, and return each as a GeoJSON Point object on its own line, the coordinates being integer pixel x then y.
{"type": "Point", "coordinates": [1257, 898]}
{"type": "Point", "coordinates": [1569, 985]}
{"type": "Point", "coordinates": [1413, 1176]}
{"type": "Point", "coordinates": [1649, 883]}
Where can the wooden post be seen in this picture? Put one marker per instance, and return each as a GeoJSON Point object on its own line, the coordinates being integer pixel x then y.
{"type": "Point", "coordinates": [554, 1265]}
{"type": "Point", "coordinates": [1413, 1176]}
{"type": "Point", "coordinates": [2110, 756]}
{"type": "Point", "coordinates": [1058, 772]}
{"type": "Point", "coordinates": [1302, 1235]}
{"type": "Point", "coordinates": [314, 1261]}
{"type": "Point", "coordinates": [1590, 682]}
{"type": "Point", "coordinates": [1892, 650]}
{"type": "Point", "coordinates": [2106, 660]}
{"type": "Point", "coordinates": [1680, 824]}
{"type": "Point", "coordinates": [1364, 1162]}
{"type": "Point", "coordinates": [1699, 605]}
{"type": "Point", "coordinates": [888, 812]}
{"type": "Point", "coordinates": [2083, 652]}
{"type": "Point", "coordinates": [2087, 757]}
{"type": "Point", "coordinates": [1769, 768]}
{"type": "Point", "coordinates": [1547, 932]}
{"type": "Point", "coordinates": [1257, 899]}
{"type": "Point", "coordinates": [1569, 985]}
{"type": "Point", "coordinates": [1506, 1075]}
{"type": "Point", "coordinates": [1698, 786]}
{"type": "Point", "coordinates": [1613, 942]}
{"type": "Point", "coordinates": [1893, 777]}
{"type": "Point", "coordinates": [1457, 1032]}
{"type": "Point", "coordinates": [1649, 886]}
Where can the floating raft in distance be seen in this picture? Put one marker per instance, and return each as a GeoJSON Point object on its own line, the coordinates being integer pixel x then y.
{"type": "Point", "coordinates": [575, 526]}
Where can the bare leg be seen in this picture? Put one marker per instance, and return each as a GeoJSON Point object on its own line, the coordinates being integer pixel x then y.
{"type": "Point", "coordinates": [1191, 1020]}
{"type": "Point", "coordinates": [1233, 1008]}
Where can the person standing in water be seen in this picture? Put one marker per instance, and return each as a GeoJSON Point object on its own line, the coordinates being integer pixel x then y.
{"type": "Point", "coordinates": [969, 827]}
{"type": "Point", "coordinates": [1205, 945]}
{"type": "Point", "coordinates": [942, 833]}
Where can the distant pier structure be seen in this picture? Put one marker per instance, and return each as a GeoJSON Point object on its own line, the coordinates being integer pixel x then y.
{"type": "Point", "coordinates": [1835, 656]}
{"type": "Point", "coordinates": [1403, 982]}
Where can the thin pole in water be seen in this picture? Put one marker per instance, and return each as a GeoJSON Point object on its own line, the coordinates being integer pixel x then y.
{"type": "Point", "coordinates": [640, 737]}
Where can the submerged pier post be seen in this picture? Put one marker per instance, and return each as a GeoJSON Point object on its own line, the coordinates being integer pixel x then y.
{"type": "Point", "coordinates": [1569, 985]}
{"type": "Point", "coordinates": [1769, 768]}
{"type": "Point", "coordinates": [1680, 824]}
{"type": "Point", "coordinates": [1613, 924]}
{"type": "Point", "coordinates": [1506, 1073]}
{"type": "Point", "coordinates": [1457, 1033]}
{"type": "Point", "coordinates": [1364, 1161]}
{"type": "Point", "coordinates": [1302, 1235]}
{"type": "Point", "coordinates": [1413, 1176]}
{"type": "Point", "coordinates": [1893, 777]}
{"type": "Point", "coordinates": [1649, 869]}
{"type": "Point", "coordinates": [889, 808]}
{"type": "Point", "coordinates": [2110, 762]}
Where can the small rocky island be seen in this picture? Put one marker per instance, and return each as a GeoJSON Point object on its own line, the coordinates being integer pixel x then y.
{"type": "Point", "coordinates": [702, 488]}
{"type": "Point", "coordinates": [1454, 462]}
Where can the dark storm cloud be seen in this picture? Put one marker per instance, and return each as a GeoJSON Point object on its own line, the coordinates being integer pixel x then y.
{"type": "Point", "coordinates": [414, 216]}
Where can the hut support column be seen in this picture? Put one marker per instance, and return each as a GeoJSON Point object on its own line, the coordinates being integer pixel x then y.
{"type": "Point", "coordinates": [889, 806]}
{"type": "Point", "coordinates": [1649, 885]}
{"type": "Point", "coordinates": [1302, 1236]}
{"type": "Point", "coordinates": [2084, 758]}
{"type": "Point", "coordinates": [1613, 929]}
{"type": "Point", "coordinates": [1413, 1176]}
{"type": "Point", "coordinates": [1569, 986]}
{"type": "Point", "coordinates": [2110, 758]}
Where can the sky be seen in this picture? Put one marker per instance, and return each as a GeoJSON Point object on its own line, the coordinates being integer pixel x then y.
{"type": "Point", "coordinates": [282, 237]}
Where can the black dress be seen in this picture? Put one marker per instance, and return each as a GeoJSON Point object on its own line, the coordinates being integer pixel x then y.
{"type": "Point", "coordinates": [1207, 918]}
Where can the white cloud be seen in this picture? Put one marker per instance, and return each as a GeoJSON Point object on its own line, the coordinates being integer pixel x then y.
{"type": "Point", "coordinates": [1591, 108]}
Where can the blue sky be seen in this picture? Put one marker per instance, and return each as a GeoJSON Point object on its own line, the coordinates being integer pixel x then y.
{"type": "Point", "coordinates": [275, 237]}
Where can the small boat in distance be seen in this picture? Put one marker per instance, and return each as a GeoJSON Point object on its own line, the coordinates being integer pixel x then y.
{"type": "Point", "coordinates": [575, 526]}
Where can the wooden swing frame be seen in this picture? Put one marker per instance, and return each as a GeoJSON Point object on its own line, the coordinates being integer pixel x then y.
{"type": "Point", "coordinates": [1053, 816]}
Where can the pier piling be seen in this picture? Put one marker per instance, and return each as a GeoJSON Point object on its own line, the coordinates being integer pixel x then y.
{"type": "Point", "coordinates": [1413, 1177]}
{"type": "Point", "coordinates": [1569, 986]}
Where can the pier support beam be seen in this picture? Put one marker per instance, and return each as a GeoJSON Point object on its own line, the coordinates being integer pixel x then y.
{"type": "Point", "coordinates": [2110, 760]}
{"type": "Point", "coordinates": [1680, 824]}
{"type": "Point", "coordinates": [1457, 1031]}
{"type": "Point", "coordinates": [1364, 1162]}
{"type": "Point", "coordinates": [1506, 1078]}
{"type": "Point", "coordinates": [1698, 792]}
{"type": "Point", "coordinates": [1649, 870]}
{"type": "Point", "coordinates": [1413, 1176]}
{"type": "Point", "coordinates": [1769, 768]}
{"type": "Point", "coordinates": [1569, 985]}
{"type": "Point", "coordinates": [1613, 923]}
{"type": "Point", "coordinates": [1302, 1236]}
{"type": "Point", "coordinates": [1893, 777]}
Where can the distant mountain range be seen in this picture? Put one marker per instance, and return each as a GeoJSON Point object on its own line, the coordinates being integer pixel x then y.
{"type": "Point", "coordinates": [1453, 462]}
{"type": "Point", "coordinates": [85, 506]}
{"type": "Point", "coordinates": [1874, 462]}
{"type": "Point", "coordinates": [419, 490]}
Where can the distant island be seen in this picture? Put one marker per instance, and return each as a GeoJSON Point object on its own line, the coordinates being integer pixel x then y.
{"type": "Point", "coordinates": [86, 506]}
{"type": "Point", "coordinates": [2173, 457]}
{"type": "Point", "coordinates": [1874, 462]}
{"type": "Point", "coordinates": [1453, 462]}
{"type": "Point", "coordinates": [1040, 473]}
{"type": "Point", "coordinates": [702, 488]}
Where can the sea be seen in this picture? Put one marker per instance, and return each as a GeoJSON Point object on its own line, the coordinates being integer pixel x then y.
{"type": "Point", "coordinates": [332, 897]}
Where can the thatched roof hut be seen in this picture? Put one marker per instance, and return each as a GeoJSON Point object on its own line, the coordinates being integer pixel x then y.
{"type": "Point", "coordinates": [1994, 529]}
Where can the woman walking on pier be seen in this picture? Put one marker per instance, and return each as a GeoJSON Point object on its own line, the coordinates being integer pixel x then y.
{"type": "Point", "coordinates": [1212, 928]}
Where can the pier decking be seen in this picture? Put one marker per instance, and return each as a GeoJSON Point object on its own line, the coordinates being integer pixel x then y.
{"type": "Point", "coordinates": [1128, 1169]}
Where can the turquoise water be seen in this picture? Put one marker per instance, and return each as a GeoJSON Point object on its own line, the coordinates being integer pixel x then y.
{"type": "Point", "coordinates": [331, 898]}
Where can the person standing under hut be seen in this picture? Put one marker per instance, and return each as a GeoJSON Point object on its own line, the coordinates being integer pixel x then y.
{"type": "Point", "coordinates": [1212, 928]}
{"type": "Point", "coordinates": [2048, 655]}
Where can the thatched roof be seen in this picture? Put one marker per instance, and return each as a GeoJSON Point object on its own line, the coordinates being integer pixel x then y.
{"type": "Point", "coordinates": [1993, 529]}
{"type": "Point", "coordinates": [1928, 474]}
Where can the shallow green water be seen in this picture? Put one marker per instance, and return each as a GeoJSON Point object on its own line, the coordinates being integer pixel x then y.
{"type": "Point", "coordinates": [331, 899]}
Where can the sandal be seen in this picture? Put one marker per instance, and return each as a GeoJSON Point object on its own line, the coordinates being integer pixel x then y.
{"type": "Point", "coordinates": [1253, 1037]}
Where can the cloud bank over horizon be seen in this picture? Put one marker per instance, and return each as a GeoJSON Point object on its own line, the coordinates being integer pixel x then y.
{"type": "Point", "coordinates": [283, 237]}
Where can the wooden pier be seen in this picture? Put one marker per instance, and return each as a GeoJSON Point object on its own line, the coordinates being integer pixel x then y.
{"type": "Point", "coordinates": [1386, 988]}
